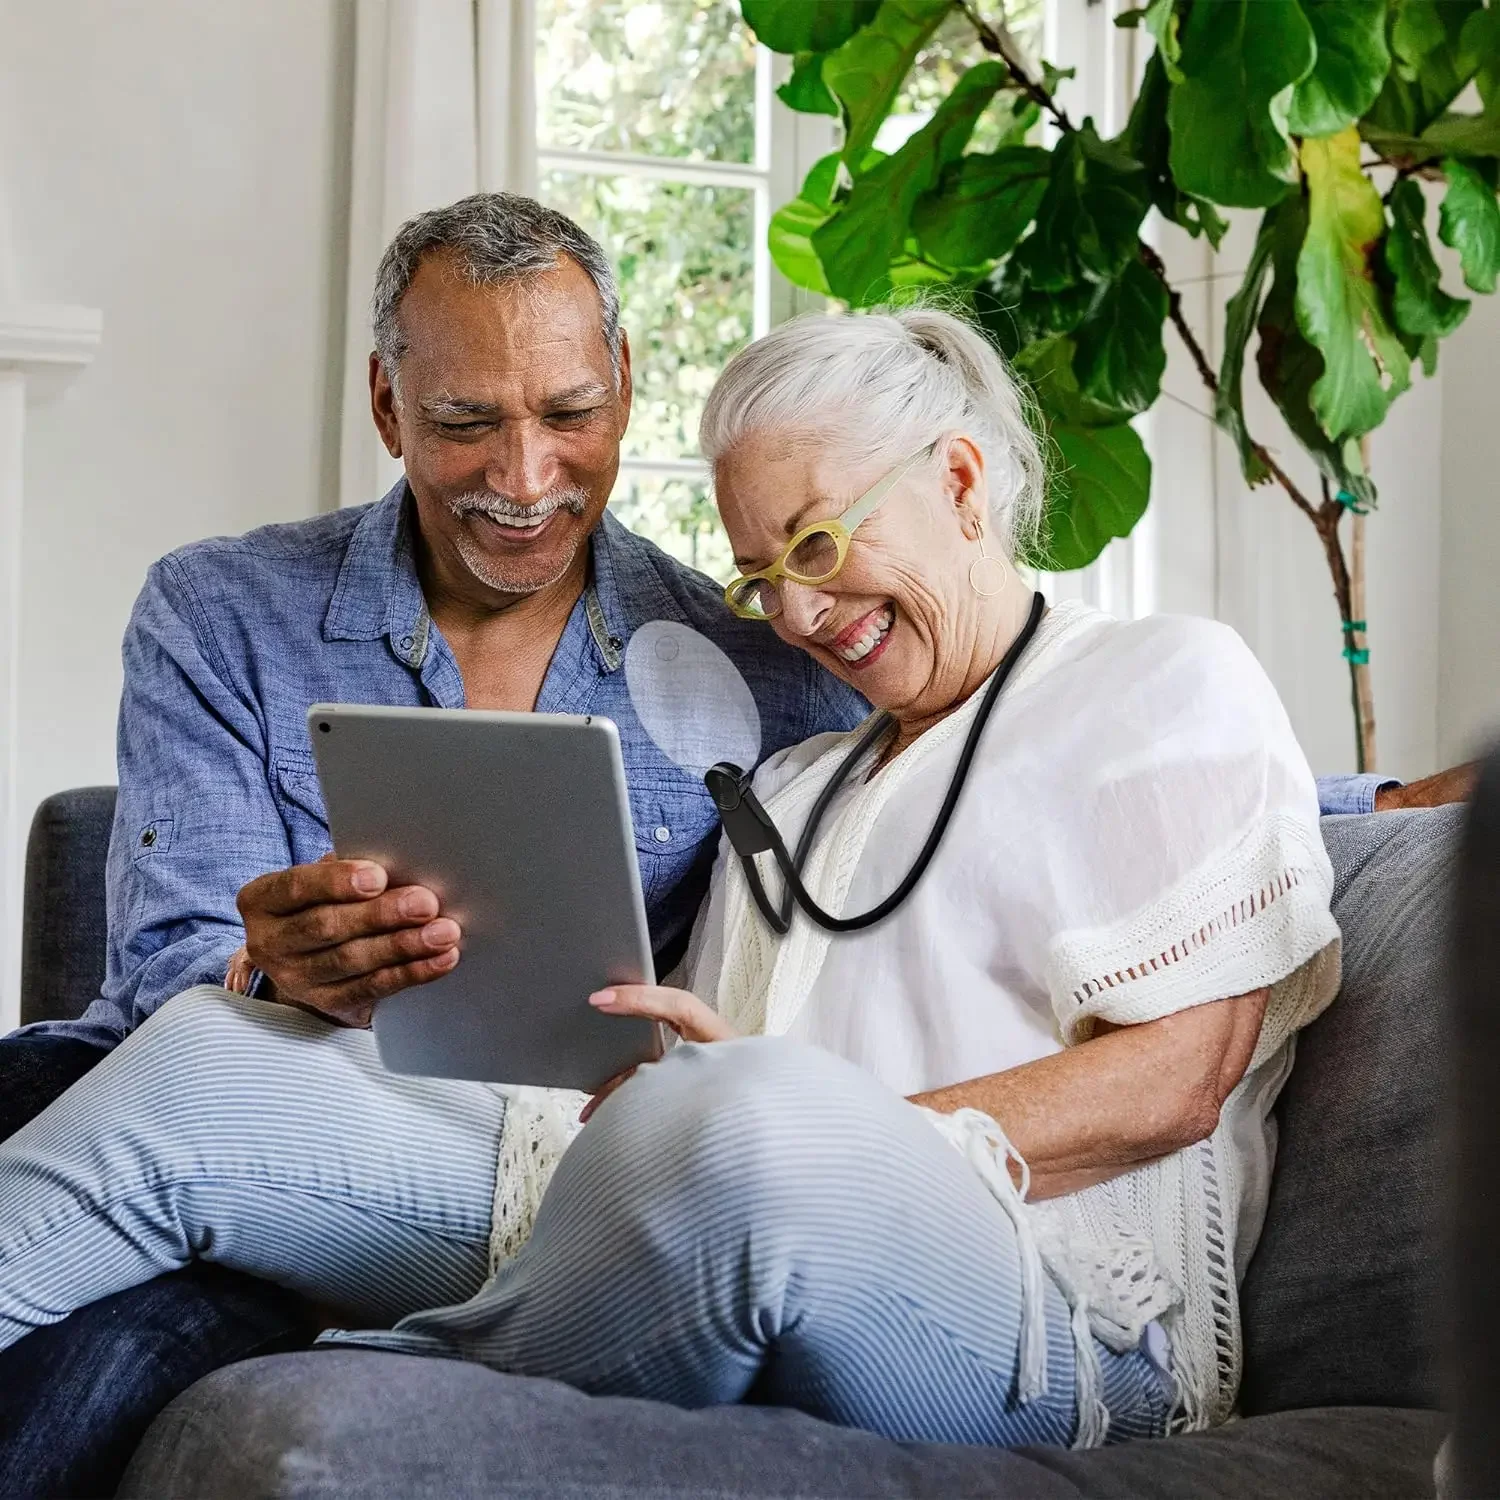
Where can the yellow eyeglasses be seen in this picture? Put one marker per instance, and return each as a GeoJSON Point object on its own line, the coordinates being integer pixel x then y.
{"type": "Point", "coordinates": [815, 554]}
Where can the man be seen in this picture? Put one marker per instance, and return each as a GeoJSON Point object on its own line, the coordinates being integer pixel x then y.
{"type": "Point", "coordinates": [491, 578]}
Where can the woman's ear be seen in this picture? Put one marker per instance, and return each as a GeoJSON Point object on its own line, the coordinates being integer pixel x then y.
{"type": "Point", "coordinates": [965, 486]}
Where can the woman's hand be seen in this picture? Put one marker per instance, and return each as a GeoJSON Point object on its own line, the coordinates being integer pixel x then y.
{"type": "Point", "coordinates": [686, 1014]}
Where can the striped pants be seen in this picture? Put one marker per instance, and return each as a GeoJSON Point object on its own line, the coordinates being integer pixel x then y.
{"type": "Point", "coordinates": [752, 1220]}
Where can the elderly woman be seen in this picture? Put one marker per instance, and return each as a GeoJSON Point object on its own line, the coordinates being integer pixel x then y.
{"type": "Point", "coordinates": [984, 1171]}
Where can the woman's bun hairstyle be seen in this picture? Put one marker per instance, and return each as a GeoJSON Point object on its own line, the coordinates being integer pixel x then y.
{"type": "Point", "coordinates": [884, 383]}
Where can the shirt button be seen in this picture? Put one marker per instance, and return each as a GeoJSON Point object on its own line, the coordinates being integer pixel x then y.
{"type": "Point", "coordinates": [663, 835]}
{"type": "Point", "coordinates": [148, 838]}
{"type": "Point", "coordinates": [406, 643]}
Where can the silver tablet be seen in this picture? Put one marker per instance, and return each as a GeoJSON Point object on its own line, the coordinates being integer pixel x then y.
{"type": "Point", "coordinates": [521, 825]}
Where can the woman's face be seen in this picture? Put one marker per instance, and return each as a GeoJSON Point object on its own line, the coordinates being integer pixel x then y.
{"type": "Point", "coordinates": [900, 621]}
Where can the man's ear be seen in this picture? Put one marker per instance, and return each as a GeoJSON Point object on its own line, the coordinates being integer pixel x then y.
{"type": "Point", "coordinates": [383, 407]}
{"type": "Point", "coordinates": [965, 485]}
{"type": "Point", "coordinates": [627, 384]}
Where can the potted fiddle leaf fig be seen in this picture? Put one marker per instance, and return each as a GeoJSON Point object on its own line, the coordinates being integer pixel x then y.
{"type": "Point", "coordinates": [1339, 121]}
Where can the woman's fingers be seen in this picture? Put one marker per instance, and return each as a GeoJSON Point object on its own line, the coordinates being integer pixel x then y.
{"type": "Point", "coordinates": [603, 1094]}
{"type": "Point", "coordinates": [686, 1014]}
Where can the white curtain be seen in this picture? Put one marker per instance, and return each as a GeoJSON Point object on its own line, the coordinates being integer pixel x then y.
{"type": "Point", "coordinates": [444, 105]}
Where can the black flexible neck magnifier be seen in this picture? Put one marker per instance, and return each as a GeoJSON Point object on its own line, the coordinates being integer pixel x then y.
{"type": "Point", "coordinates": [752, 832]}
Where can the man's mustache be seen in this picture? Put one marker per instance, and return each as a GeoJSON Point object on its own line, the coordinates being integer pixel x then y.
{"type": "Point", "coordinates": [507, 512]}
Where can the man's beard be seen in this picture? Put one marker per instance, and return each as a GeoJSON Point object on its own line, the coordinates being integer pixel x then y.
{"type": "Point", "coordinates": [503, 512]}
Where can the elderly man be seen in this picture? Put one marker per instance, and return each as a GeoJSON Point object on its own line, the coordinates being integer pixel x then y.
{"type": "Point", "coordinates": [492, 577]}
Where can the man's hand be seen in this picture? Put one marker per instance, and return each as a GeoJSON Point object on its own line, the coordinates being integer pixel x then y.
{"type": "Point", "coordinates": [1455, 785]}
{"type": "Point", "coordinates": [332, 939]}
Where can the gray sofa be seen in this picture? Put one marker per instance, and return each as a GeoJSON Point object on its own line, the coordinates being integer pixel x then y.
{"type": "Point", "coordinates": [1343, 1330]}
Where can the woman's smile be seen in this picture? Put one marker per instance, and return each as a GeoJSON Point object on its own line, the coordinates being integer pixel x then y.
{"type": "Point", "coordinates": [865, 640]}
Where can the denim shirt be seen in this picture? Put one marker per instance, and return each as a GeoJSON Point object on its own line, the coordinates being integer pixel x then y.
{"type": "Point", "coordinates": [233, 639]}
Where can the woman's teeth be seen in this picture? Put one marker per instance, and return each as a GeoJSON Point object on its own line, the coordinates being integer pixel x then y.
{"type": "Point", "coordinates": [874, 633]}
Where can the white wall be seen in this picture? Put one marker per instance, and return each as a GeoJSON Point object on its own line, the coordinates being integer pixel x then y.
{"type": "Point", "coordinates": [1469, 679]}
{"type": "Point", "coordinates": [183, 166]}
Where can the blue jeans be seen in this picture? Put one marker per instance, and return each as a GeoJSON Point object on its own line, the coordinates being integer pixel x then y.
{"type": "Point", "coordinates": [79, 1395]}
{"type": "Point", "coordinates": [755, 1220]}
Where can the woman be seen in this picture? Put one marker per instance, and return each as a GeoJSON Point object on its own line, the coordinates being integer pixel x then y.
{"type": "Point", "coordinates": [1091, 995]}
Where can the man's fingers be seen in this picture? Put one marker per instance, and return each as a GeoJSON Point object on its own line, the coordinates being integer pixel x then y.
{"type": "Point", "coordinates": [352, 1001]}
{"type": "Point", "coordinates": [286, 892]}
{"type": "Point", "coordinates": [362, 956]}
{"type": "Point", "coordinates": [328, 926]}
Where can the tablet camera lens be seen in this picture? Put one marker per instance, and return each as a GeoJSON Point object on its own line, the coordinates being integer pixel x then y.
{"type": "Point", "coordinates": [324, 725]}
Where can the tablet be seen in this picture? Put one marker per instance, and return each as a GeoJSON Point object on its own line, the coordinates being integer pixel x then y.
{"type": "Point", "coordinates": [520, 823]}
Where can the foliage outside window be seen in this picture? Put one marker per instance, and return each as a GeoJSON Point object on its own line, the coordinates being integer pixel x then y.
{"type": "Point", "coordinates": [1328, 116]}
{"type": "Point", "coordinates": [648, 136]}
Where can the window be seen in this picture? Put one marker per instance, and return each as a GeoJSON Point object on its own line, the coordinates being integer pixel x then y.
{"type": "Point", "coordinates": [658, 130]}
{"type": "Point", "coordinates": [654, 128]}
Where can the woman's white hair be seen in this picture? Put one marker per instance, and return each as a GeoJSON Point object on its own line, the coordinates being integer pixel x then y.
{"type": "Point", "coordinates": [882, 384]}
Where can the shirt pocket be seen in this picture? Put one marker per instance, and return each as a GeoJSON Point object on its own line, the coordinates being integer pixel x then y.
{"type": "Point", "coordinates": [673, 817]}
{"type": "Point", "coordinates": [299, 800]}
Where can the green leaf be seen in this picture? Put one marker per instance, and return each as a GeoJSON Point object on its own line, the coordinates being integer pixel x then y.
{"type": "Point", "coordinates": [859, 243]}
{"type": "Point", "coordinates": [1148, 140]}
{"type": "Point", "coordinates": [806, 25]}
{"type": "Point", "coordinates": [1162, 21]}
{"type": "Point", "coordinates": [1352, 61]}
{"type": "Point", "coordinates": [1289, 366]}
{"type": "Point", "coordinates": [1101, 482]}
{"type": "Point", "coordinates": [1479, 49]}
{"type": "Point", "coordinates": [1422, 308]}
{"type": "Point", "coordinates": [1469, 222]}
{"type": "Point", "coordinates": [1338, 303]}
{"type": "Point", "coordinates": [1430, 66]}
{"type": "Point", "coordinates": [1089, 216]}
{"type": "Point", "coordinates": [805, 89]}
{"type": "Point", "coordinates": [1016, 315]}
{"type": "Point", "coordinates": [793, 224]}
{"type": "Point", "coordinates": [982, 205]}
{"type": "Point", "coordinates": [1239, 318]}
{"type": "Point", "coordinates": [1465, 135]}
{"type": "Point", "coordinates": [1047, 367]}
{"type": "Point", "coordinates": [867, 71]}
{"type": "Point", "coordinates": [1119, 355]}
{"type": "Point", "coordinates": [1241, 60]}
{"type": "Point", "coordinates": [1129, 20]}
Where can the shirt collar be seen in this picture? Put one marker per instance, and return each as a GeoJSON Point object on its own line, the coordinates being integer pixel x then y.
{"type": "Point", "coordinates": [379, 593]}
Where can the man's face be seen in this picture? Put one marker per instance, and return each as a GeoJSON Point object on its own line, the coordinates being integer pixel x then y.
{"type": "Point", "coordinates": [509, 422]}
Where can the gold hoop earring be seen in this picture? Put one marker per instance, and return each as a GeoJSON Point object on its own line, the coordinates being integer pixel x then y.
{"type": "Point", "coordinates": [990, 570]}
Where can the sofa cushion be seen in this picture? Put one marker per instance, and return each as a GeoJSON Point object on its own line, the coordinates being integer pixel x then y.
{"type": "Point", "coordinates": [1340, 1301]}
{"type": "Point", "coordinates": [356, 1422]}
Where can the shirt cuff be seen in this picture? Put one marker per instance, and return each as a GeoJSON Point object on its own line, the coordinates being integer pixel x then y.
{"type": "Point", "coordinates": [1351, 794]}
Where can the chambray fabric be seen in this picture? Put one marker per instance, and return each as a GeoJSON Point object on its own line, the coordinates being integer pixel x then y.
{"type": "Point", "coordinates": [754, 1219]}
{"type": "Point", "coordinates": [1339, 795]}
{"type": "Point", "coordinates": [233, 639]}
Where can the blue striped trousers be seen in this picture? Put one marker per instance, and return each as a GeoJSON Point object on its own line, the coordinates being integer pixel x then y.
{"type": "Point", "coordinates": [752, 1220]}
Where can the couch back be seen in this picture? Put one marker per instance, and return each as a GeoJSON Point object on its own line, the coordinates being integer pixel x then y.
{"type": "Point", "coordinates": [62, 925]}
{"type": "Point", "coordinates": [1341, 1304]}
{"type": "Point", "coordinates": [1341, 1299]}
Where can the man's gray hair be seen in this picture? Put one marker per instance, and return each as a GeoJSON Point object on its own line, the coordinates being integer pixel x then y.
{"type": "Point", "coordinates": [496, 237]}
